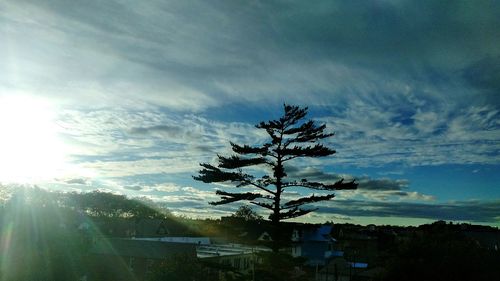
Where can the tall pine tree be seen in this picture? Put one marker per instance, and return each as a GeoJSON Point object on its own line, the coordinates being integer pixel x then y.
{"type": "Point", "coordinates": [290, 137]}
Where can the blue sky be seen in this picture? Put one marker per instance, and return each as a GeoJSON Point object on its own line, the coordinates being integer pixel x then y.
{"type": "Point", "coordinates": [129, 96]}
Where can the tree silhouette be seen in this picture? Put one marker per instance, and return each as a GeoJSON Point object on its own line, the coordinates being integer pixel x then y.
{"type": "Point", "coordinates": [291, 137]}
{"type": "Point", "coordinates": [103, 204]}
{"type": "Point", "coordinates": [247, 214]}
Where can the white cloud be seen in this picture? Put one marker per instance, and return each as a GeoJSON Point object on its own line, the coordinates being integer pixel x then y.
{"type": "Point", "coordinates": [371, 135]}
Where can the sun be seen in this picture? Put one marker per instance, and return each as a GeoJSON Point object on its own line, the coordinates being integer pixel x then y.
{"type": "Point", "coordinates": [30, 149]}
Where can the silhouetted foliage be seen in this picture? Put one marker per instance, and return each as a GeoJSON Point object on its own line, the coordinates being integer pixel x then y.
{"type": "Point", "coordinates": [290, 137]}
{"type": "Point", "coordinates": [178, 268]}
{"type": "Point", "coordinates": [441, 252]}
{"type": "Point", "coordinates": [279, 267]}
{"type": "Point", "coordinates": [103, 204]}
{"type": "Point", "coordinates": [247, 214]}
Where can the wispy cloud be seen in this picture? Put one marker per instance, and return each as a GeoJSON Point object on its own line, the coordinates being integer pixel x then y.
{"type": "Point", "coordinates": [82, 181]}
{"type": "Point", "coordinates": [199, 55]}
{"type": "Point", "coordinates": [370, 135]}
{"type": "Point", "coordinates": [473, 210]}
{"type": "Point", "coordinates": [368, 188]}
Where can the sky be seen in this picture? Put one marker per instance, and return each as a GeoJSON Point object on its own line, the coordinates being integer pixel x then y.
{"type": "Point", "coordinates": [130, 96]}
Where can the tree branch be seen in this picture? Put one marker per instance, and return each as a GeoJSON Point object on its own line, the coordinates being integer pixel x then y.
{"type": "Point", "coordinates": [306, 200]}
{"type": "Point", "coordinates": [229, 197]}
{"type": "Point", "coordinates": [339, 185]}
{"type": "Point", "coordinates": [246, 149]}
{"type": "Point", "coordinates": [263, 205]}
{"type": "Point", "coordinates": [212, 174]}
{"type": "Point", "coordinates": [235, 162]}
{"type": "Point", "coordinates": [259, 187]}
{"type": "Point", "coordinates": [292, 213]}
{"type": "Point", "coordinates": [317, 150]}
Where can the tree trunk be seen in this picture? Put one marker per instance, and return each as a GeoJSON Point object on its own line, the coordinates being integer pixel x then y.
{"type": "Point", "coordinates": [276, 233]}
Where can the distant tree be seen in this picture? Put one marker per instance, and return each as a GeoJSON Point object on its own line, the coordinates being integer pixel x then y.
{"type": "Point", "coordinates": [103, 204]}
{"type": "Point", "coordinates": [247, 214]}
{"type": "Point", "coordinates": [290, 137]}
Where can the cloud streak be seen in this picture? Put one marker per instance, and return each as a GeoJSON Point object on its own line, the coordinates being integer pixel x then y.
{"type": "Point", "coordinates": [161, 53]}
{"type": "Point", "coordinates": [473, 210]}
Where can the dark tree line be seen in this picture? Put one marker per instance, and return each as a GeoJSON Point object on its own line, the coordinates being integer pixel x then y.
{"type": "Point", "coordinates": [442, 252]}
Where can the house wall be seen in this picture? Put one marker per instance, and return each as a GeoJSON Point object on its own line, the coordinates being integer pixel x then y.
{"type": "Point", "coordinates": [364, 250]}
{"type": "Point", "coordinates": [296, 250]}
{"type": "Point", "coordinates": [314, 252]}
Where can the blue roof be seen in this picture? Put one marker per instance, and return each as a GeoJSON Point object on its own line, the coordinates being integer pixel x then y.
{"type": "Point", "coordinates": [325, 229]}
{"type": "Point", "coordinates": [358, 265]}
{"type": "Point", "coordinates": [321, 234]}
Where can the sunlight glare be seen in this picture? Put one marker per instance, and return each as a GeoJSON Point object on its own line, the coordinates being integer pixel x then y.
{"type": "Point", "coordinates": [30, 149]}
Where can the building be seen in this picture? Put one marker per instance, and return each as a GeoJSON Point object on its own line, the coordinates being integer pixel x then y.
{"type": "Point", "coordinates": [131, 259]}
{"type": "Point", "coordinates": [315, 244]}
{"type": "Point", "coordinates": [235, 257]}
